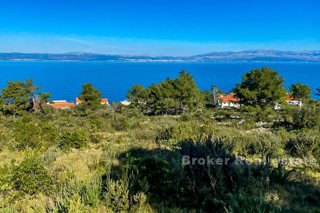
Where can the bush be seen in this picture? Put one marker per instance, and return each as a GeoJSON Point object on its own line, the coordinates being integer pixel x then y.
{"type": "Point", "coordinates": [308, 117]}
{"type": "Point", "coordinates": [250, 203]}
{"type": "Point", "coordinates": [30, 177]}
{"type": "Point", "coordinates": [266, 144]}
{"type": "Point", "coordinates": [173, 134]}
{"type": "Point", "coordinates": [29, 132]}
{"type": "Point", "coordinates": [73, 139]}
{"type": "Point", "coordinates": [119, 122]}
{"type": "Point", "coordinates": [118, 195]}
{"type": "Point", "coordinates": [305, 144]}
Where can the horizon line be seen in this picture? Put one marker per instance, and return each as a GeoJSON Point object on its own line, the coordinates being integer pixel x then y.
{"type": "Point", "coordinates": [150, 55]}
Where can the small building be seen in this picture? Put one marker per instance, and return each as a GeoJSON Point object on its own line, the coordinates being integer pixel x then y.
{"type": "Point", "coordinates": [293, 101]}
{"type": "Point", "coordinates": [61, 104]}
{"type": "Point", "coordinates": [104, 101]}
{"type": "Point", "coordinates": [125, 102]}
{"type": "Point", "coordinates": [229, 101]}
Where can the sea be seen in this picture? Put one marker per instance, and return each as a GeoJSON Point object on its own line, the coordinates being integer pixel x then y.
{"type": "Point", "coordinates": [63, 79]}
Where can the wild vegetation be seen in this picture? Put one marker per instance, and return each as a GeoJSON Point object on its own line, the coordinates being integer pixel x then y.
{"type": "Point", "coordinates": [135, 158]}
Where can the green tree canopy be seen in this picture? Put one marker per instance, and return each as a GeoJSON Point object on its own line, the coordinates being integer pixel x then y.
{"type": "Point", "coordinates": [261, 87]}
{"type": "Point", "coordinates": [90, 97]}
{"type": "Point", "coordinates": [300, 91]}
{"type": "Point", "coordinates": [138, 96]}
{"type": "Point", "coordinates": [172, 96]}
{"type": "Point", "coordinates": [18, 97]}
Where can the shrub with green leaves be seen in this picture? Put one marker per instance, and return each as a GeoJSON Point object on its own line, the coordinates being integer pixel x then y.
{"type": "Point", "coordinates": [266, 145]}
{"type": "Point", "coordinates": [30, 177]}
{"type": "Point", "coordinates": [32, 133]}
{"type": "Point", "coordinates": [119, 122]}
{"type": "Point", "coordinates": [73, 139]}
{"type": "Point", "coordinates": [305, 144]}
{"type": "Point", "coordinates": [308, 117]}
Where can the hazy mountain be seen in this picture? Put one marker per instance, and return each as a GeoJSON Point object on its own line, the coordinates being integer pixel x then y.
{"type": "Point", "coordinates": [227, 56]}
{"type": "Point", "coordinates": [261, 55]}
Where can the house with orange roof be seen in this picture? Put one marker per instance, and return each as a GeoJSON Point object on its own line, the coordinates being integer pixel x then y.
{"type": "Point", "coordinates": [294, 101]}
{"type": "Point", "coordinates": [61, 104]}
{"type": "Point", "coordinates": [104, 101]}
{"type": "Point", "coordinates": [232, 101]}
{"type": "Point", "coordinates": [229, 101]}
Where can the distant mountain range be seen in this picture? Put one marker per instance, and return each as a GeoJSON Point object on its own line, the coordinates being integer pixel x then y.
{"type": "Point", "coordinates": [227, 56]}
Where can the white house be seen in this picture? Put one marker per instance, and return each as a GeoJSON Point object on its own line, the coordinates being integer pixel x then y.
{"type": "Point", "coordinates": [229, 101]}
{"type": "Point", "coordinates": [232, 101]}
{"type": "Point", "coordinates": [293, 101]}
{"type": "Point", "coordinates": [125, 102]}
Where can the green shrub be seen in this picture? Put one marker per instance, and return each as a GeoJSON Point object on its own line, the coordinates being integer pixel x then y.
{"type": "Point", "coordinates": [266, 145]}
{"type": "Point", "coordinates": [117, 196]}
{"type": "Point", "coordinates": [33, 134]}
{"type": "Point", "coordinates": [182, 131]}
{"type": "Point", "coordinates": [244, 202]}
{"type": "Point", "coordinates": [73, 139]}
{"type": "Point", "coordinates": [30, 177]}
{"type": "Point", "coordinates": [119, 122]}
{"type": "Point", "coordinates": [305, 144]}
{"type": "Point", "coordinates": [308, 117]}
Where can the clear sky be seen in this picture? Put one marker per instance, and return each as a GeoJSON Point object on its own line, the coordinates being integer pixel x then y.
{"type": "Point", "coordinates": [158, 27]}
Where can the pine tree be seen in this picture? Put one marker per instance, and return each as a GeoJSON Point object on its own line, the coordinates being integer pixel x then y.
{"type": "Point", "coordinates": [90, 97]}
{"type": "Point", "coordinates": [261, 87]}
{"type": "Point", "coordinates": [18, 97]}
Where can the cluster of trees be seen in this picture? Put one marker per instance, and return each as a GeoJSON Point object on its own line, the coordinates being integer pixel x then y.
{"type": "Point", "coordinates": [265, 88]}
{"type": "Point", "coordinates": [260, 91]}
{"type": "Point", "coordinates": [172, 96]}
{"type": "Point", "coordinates": [21, 97]}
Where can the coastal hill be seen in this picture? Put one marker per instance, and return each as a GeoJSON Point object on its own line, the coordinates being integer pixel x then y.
{"type": "Point", "coordinates": [227, 56]}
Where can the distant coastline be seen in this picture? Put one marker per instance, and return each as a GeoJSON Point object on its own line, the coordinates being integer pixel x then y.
{"type": "Point", "coordinates": [228, 56]}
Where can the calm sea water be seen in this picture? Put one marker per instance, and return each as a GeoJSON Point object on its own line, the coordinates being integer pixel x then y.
{"type": "Point", "coordinates": [114, 79]}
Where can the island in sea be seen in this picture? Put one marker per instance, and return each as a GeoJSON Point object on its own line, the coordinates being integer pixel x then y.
{"type": "Point", "coordinates": [227, 56]}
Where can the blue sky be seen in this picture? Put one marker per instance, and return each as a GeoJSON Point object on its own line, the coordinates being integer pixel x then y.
{"type": "Point", "coordinates": [154, 27]}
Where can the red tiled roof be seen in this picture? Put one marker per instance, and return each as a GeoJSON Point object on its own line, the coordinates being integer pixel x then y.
{"type": "Point", "coordinates": [62, 105]}
{"type": "Point", "coordinates": [229, 98]}
{"type": "Point", "coordinates": [291, 98]}
{"type": "Point", "coordinates": [104, 100]}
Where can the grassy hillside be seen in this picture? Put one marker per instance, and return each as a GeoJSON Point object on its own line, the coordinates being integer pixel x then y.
{"type": "Point", "coordinates": [124, 161]}
{"type": "Point", "coordinates": [170, 150]}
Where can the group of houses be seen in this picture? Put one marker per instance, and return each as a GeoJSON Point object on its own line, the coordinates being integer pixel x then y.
{"type": "Point", "coordinates": [224, 101]}
{"type": "Point", "coordinates": [232, 101]}
{"type": "Point", "coordinates": [64, 104]}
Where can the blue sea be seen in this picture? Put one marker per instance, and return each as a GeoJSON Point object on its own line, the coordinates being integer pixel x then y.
{"type": "Point", "coordinates": [64, 79]}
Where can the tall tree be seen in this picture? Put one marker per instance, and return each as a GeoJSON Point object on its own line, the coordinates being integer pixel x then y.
{"type": "Point", "coordinates": [189, 94]}
{"type": "Point", "coordinates": [18, 97]}
{"type": "Point", "coordinates": [261, 87]}
{"type": "Point", "coordinates": [138, 96]}
{"type": "Point", "coordinates": [300, 91]}
{"type": "Point", "coordinates": [318, 90]}
{"type": "Point", "coordinates": [90, 97]}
